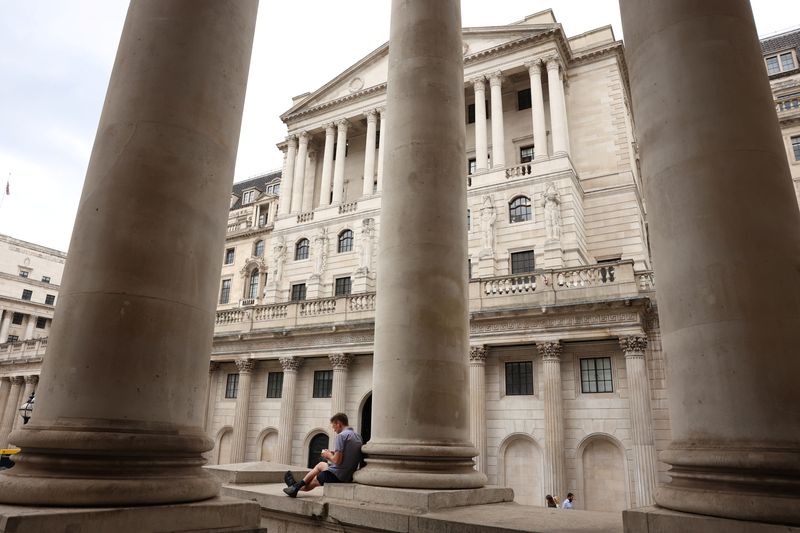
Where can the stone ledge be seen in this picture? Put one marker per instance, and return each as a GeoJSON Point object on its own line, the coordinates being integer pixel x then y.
{"type": "Point", "coordinates": [416, 500]}
{"type": "Point", "coordinates": [271, 496]}
{"type": "Point", "coordinates": [217, 515]}
{"type": "Point", "coordinates": [660, 520]}
{"type": "Point", "coordinates": [260, 472]}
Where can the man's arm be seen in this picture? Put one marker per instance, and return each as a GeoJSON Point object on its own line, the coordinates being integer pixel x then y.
{"type": "Point", "coordinates": [334, 457]}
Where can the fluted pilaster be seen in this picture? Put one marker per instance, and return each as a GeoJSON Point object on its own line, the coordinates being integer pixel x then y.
{"type": "Point", "coordinates": [298, 188]}
{"type": "Point", "coordinates": [211, 396]}
{"type": "Point", "coordinates": [477, 403]}
{"type": "Point", "coordinates": [555, 463]}
{"type": "Point", "coordinates": [341, 154]}
{"type": "Point", "coordinates": [341, 364]}
{"type": "Point", "coordinates": [240, 416]}
{"type": "Point", "coordinates": [286, 421]}
{"type": "Point", "coordinates": [327, 166]}
{"type": "Point", "coordinates": [10, 413]}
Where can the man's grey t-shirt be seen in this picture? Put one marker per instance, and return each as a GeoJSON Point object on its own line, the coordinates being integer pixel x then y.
{"type": "Point", "coordinates": [349, 443]}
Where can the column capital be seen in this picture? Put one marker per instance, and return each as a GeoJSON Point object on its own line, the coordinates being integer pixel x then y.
{"type": "Point", "coordinates": [340, 361]}
{"type": "Point", "coordinates": [479, 83]}
{"type": "Point", "coordinates": [291, 364]}
{"type": "Point", "coordinates": [17, 380]}
{"type": "Point", "coordinates": [245, 366]}
{"type": "Point", "coordinates": [496, 79]}
{"type": "Point", "coordinates": [291, 140]}
{"type": "Point", "coordinates": [381, 111]}
{"type": "Point", "coordinates": [633, 345]}
{"type": "Point", "coordinates": [534, 67]}
{"type": "Point", "coordinates": [304, 137]}
{"type": "Point", "coordinates": [372, 116]}
{"type": "Point", "coordinates": [553, 62]}
{"type": "Point", "coordinates": [213, 366]}
{"type": "Point", "coordinates": [5, 378]}
{"type": "Point", "coordinates": [330, 128]}
{"type": "Point", "coordinates": [549, 349]}
{"type": "Point", "coordinates": [32, 379]}
{"type": "Point", "coordinates": [343, 124]}
{"type": "Point", "coordinates": [477, 354]}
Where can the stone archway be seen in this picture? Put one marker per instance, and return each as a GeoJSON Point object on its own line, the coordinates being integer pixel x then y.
{"type": "Point", "coordinates": [316, 444]}
{"type": "Point", "coordinates": [224, 445]}
{"type": "Point", "coordinates": [365, 418]}
{"type": "Point", "coordinates": [268, 444]}
{"type": "Point", "coordinates": [603, 475]}
{"type": "Point", "coordinates": [521, 469]}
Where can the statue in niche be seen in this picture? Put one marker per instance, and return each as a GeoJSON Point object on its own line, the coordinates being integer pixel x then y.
{"type": "Point", "coordinates": [320, 252]}
{"type": "Point", "coordinates": [367, 245]}
{"type": "Point", "coordinates": [551, 202]}
{"type": "Point", "coordinates": [278, 257]}
{"type": "Point", "coordinates": [488, 219]}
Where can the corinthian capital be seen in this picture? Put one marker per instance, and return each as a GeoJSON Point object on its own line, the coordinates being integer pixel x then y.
{"type": "Point", "coordinates": [549, 349]}
{"type": "Point", "coordinates": [32, 379]}
{"type": "Point", "coordinates": [340, 361]}
{"type": "Point", "coordinates": [245, 366]}
{"type": "Point", "coordinates": [291, 140]}
{"type": "Point", "coordinates": [477, 354]}
{"type": "Point", "coordinates": [372, 116]}
{"type": "Point", "coordinates": [496, 79]}
{"type": "Point", "coordinates": [343, 124]}
{"type": "Point", "coordinates": [479, 84]}
{"type": "Point", "coordinates": [534, 67]}
{"type": "Point", "coordinates": [633, 345]}
{"type": "Point", "coordinates": [291, 364]}
{"type": "Point", "coordinates": [303, 137]}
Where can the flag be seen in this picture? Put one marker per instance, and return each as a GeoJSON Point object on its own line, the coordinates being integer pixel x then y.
{"type": "Point", "coordinates": [8, 190]}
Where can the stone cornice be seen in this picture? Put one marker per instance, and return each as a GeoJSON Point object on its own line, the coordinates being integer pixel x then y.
{"type": "Point", "coordinates": [29, 281]}
{"type": "Point", "coordinates": [334, 103]}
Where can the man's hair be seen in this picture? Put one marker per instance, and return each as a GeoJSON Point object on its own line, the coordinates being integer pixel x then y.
{"type": "Point", "coordinates": [340, 417]}
{"type": "Point", "coordinates": [570, 494]}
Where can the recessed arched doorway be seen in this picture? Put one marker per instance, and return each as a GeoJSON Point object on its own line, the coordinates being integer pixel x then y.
{"type": "Point", "coordinates": [318, 443]}
{"type": "Point", "coordinates": [366, 420]}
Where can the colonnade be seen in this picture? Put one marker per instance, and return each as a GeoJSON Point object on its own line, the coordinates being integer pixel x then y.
{"type": "Point", "coordinates": [14, 391]}
{"type": "Point", "coordinates": [30, 322]}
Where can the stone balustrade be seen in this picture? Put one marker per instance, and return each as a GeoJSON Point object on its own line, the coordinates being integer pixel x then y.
{"type": "Point", "coordinates": [28, 349]}
{"type": "Point", "coordinates": [584, 276]}
{"type": "Point", "coordinates": [525, 283]}
{"type": "Point", "coordinates": [361, 302]}
{"type": "Point", "coordinates": [647, 280]}
{"type": "Point", "coordinates": [246, 302]}
{"type": "Point", "coordinates": [271, 312]}
{"type": "Point", "coordinates": [348, 208]}
{"type": "Point", "coordinates": [788, 103]}
{"type": "Point", "coordinates": [325, 306]}
{"type": "Point", "coordinates": [305, 217]}
{"type": "Point", "coordinates": [519, 171]}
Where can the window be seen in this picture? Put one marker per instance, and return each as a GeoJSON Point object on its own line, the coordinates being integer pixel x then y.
{"type": "Point", "coordinates": [318, 443]}
{"type": "Point", "coordinates": [258, 249]}
{"type": "Point", "coordinates": [225, 293]}
{"type": "Point", "coordinates": [50, 299]}
{"type": "Point", "coordinates": [796, 147]}
{"type": "Point", "coordinates": [248, 197]}
{"type": "Point", "coordinates": [377, 139]}
{"type": "Point", "coordinates": [523, 99]}
{"type": "Point", "coordinates": [16, 319]}
{"type": "Point", "coordinates": [596, 375]}
{"type": "Point", "coordinates": [232, 386]}
{"type": "Point", "coordinates": [252, 289]}
{"type": "Point", "coordinates": [323, 383]}
{"type": "Point", "coordinates": [41, 322]}
{"type": "Point", "coordinates": [469, 268]}
{"type": "Point", "coordinates": [27, 294]}
{"type": "Point", "coordinates": [782, 62]}
{"type": "Point", "coordinates": [346, 149]}
{"type": "Point", "coordinates": [298, 292]}
{"type": "Point", "coordinates": [263, 218]}
{"type": "Point", "coordinates": [12, 338]}
{"type": "Point", "coordinates": [471, 114]}
{"type": "Point", "coordinates": [522, 262]}
{"type": "Point", "coordinates": [274, 189]}
{"type": "Point", "coordinates": [45, 279]}
{"type": "Point", "coordinates": [519, 378]}
{"type": "Point", "coordinates": [24, 273]}
{"type": "Point", "coordinates": [526, 154]}
{"type": "Point", "coordinates": [301, 250]}
{"type": "Point", "coordinates": [345, 241]}
{"type": "Point", "coordinates": [274, 384]}
{"type": "Point", "coordinates": [519, 209]}
{"type": "Point", "coordinates": [469, 219]}
{"type": "Point", "coordinates": [472, 166]}
{"type": "Point", "coordinates": [343, 286]}
{"type": "Point", "coordinates": [229, 255]}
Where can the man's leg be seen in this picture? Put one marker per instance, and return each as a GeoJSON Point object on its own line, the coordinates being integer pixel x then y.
{"type": "Point", "coordinates": [310, 481]}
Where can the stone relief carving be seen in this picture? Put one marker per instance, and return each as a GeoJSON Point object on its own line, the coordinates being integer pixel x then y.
{"type": "Point", "coordinates": [488, 220]}
{"type": "Point", "coordinates": [367, 245]}
{"type": "Point", "coordinates": [245, 366]}
{"type": "Point", "coordinates": [551, 201]}
{"type": "Point", "coordinates": [291, 364]}
{"type": "Point", "coordinates": [477, 354]}
{"type": "Point", "coordinates": [340, 361]}
{"type": "Point", "coordinates": [633, 344]}
{"type": "Point", "coordinates": [356, 84]}
{"type": "Point", "coordinates": [549, 349]}
{"type": "Point", "coordinates": [278, 258]}
{"type": "Point", "coordinates": [320, 252]}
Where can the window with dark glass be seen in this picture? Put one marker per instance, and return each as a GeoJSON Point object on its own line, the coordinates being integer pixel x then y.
{"type": "Point", "coordinates": [469, 219]}
{"type": "Point", "coordinates": [258, 249]}
{"type": "Point", "coordinates": [345, 241]}
{"type": "Point", "coordinates": [778, 63]}
{"type": "Point", "coordinates": [252, 289]}
{"type": "Point", "coordinates": [526, 154]}
{"type": "Point", "coordinates": [27, 294]}
{"type": "Point", "coordinates": [519, 378]}
{"type": "Point", "coordinates": [522, 262]}
{"type": "Point", "coordinates": [45, 279]}
{"type": "Point", "coordinates": [274, 384]}
{"type": "Point", "coordinates": [796, 147]}
{"type": "Point", "coordinates": [232, 386]}
{"type": "Point", "coordinates": [377, 139]}
{"type": "Point", "coordinates": [301, 250]}
{"type": "Point", "coordinates": [469, 268]}
{"type": "Point", "coordinates": [343, 286]}
{"type": "Point", "coordinates": [50, 299]}
{"type": "Point", "coordinates": [323, 383]}
{"type": "Point", "coordinates": [470, 113]}
{"type": "Point", "coordinates": [229, 255]}
{"type": "Point", "coordinates": [519, 209]}
{"type": "Point", "coordinates": [298, 292]}
{"type": "Point", "coordinates": [16, 318]}
{"type": "Point", "coordinates": [472, 166]}
{"type": "Point", "coordinates": [24, 273]}
{"type": "Point", "coordinates": [596, 375]}
{"type": "Point", "coordinates": [315, 446]}
{"type": "Point", "coordinates": [524, 99]}
{"type": "Point", "coordinates": [12, 338]}
{"type": "Point", "coordinates": [41, 322]}
{"type": "Point", "coordinates": [787, 61]}
{"type": "Point", "coordinates": [336, 147]}
{"type": "Point", "coordinates": [225, 292]}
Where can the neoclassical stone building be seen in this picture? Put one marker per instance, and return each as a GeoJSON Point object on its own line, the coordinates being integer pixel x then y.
{"type": "Point", "coordinates": [567, 379]}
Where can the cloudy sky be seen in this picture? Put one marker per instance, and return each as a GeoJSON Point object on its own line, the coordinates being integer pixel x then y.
{"type": "Point", "coordinates": [56, 58]}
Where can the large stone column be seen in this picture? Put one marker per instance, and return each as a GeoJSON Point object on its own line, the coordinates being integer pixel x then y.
{"type": "Point", "coordinates": [421, 324]}
{"type": "Point", "coordinates": [555, 469]}
{"type": "Point", "coordinates": [725, 231]}
{"type": "Point", "coordinates": [300, 173]}
{"type": "Point", "coordinates": [5, 325]}
{"type": "Point", "coordinates": [5, 389]}
{"type": "Point", "coordinates": [477, 403]}
{"type": "Point", "coordinates": [10, 412]}
{"type": "Point", "coordinates": [341, 364]}
{"type": "Point", "coordinates": [644, 449]}
{"type": "Point", "coordinates": [498, 128]}
{"type": "Point", "coordinates": [338, 169]}
{"type": "Point", "coordinates": [286, 418]}
{"type": "Point", "coordinates": [287, 176]}
{"type": "Point", "coordinates": [555, 86]}
{"type": "Point", "coordinates": [481, 143]}
{"type": "Point", "coordinates": [30, 387]}
{"type": "Point", "coordinates": [381, 150]}
{"type": "Point", "coordinates": [211, 395]}
{"type": "Point", "coordinates": [129, 405]}
{"type": "Point", "coordinates": [327, 166]}
{"type": "Point", "coordinates": [240, 413]}
{"type": "Point", "coordinates": [537, 111]}
{"type": "Point", "coordinates": [29, 327]}
{"type": "Point", "coordinates": [369, 153]}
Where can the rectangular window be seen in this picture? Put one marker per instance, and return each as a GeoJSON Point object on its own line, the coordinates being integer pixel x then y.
{"type": "Point", "coordinates": [787, 61]}
{"type": "Point", "coordinates": [526, 154]}
{"type": "Point", "coordinates": [229, 255]}
{"type": "Point", "coordinates": [469, 268]}
{"type": "Point", "coordinates": [596, 375]}
{"type": "Point", "coordinates": [469, 219]}
{"type": "Point", "coordinates": [796, 147]}
{"type": "Point", "coordinates": [12, 338]}
{"type": "Point", "coordinates": [523, 99]}
{"type": "Point", "coordinates": [41, 322]}
{"type": "Point", "coordinates": [50, 299]}
{"type": "Point", "coordinates": [471, 114]}
{"type": "Point", "coordinates": [225, 293]}
{"type": "Point", "coordinates": [232, 386]}
{"type": "Point", "coordinates": [773, 67]}
{"type": "Point", "coordinates": [45, 279]}
{"type": "Point", "coordinates": [472, 166]}
{"type": "Point", "coordinates": [274, 384]}
{"type": "Point", "coordinates": [27, 294]}
{"type": "Point", "coordinates": [519, 378]}
{"type": "Point", "coordinates": [377, 139]}
{"type": "Point", "coordinates": [298, 292]}
{"type": "Point", "coordinates": [323, 383]}
{"type": "Point", "coordinates": [778, 63]}
{"type": "Point", "coordinates": [16, 319]}
{"type": "Point", "coordinates": [522, 262]}
{"type": "Point", "coordinates": [343, 286]}
{"type": "Point", "coordinates": [23, 273]}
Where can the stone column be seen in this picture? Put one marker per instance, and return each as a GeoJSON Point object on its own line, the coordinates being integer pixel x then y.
{"type": "Point", "coordinates": [130, 406]}
{"type": "Point", "coordinates": [211, 396]}
{"type": "Point", "coordinates": [382, 129]}
{"type": "Point", "coordinates": [338, 170]}
{"type": "Point", "coordinates": [5, 389]}
{"type": "Point", "coordinates": [723, 218]}
{"type": "Point", "coordinates": [498, 129]}
{"type": "Point", "coordinates": [240, 414]}
{"type": "Point", "coordinates": [555, 470]}
{"type": "Point", "coordinates": [327, 166]}
{"type": "Point", "coordinates": [10, 412]}
{"type": "Point", "coordinates": [477, 403]}
{"type": "Point", "coordinates": [29, 327]}
{"type": "Point", "coordinates": [644, 449]}
{"type": "Point", "coordinates": [537, 110]}
{"type": "Point", "coordinates": [422, 324]}
{"type": "Point", "coordinates": [481, 144]}
{"type": "Point", "coordinates": [310, 179]}
{"type": "Point", "coordinates": [555, 86]}
{"type": "Point", "coordinates": [369, 154]}
{"type": "Point", "coordinates": [30, 388]}
{"type": "Point", "coordinates": [300, 173]}
{"type": "Point", "coordinates": [287, 177]}
{"type": "Point", "coordinates": [286, 421]}
{"type": "Point", "coordinates": [341, 364]}
{"type": "Point", "coordinates": [5, 325]}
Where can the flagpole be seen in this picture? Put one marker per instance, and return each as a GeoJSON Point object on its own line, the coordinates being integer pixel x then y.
{"type": "Point", "coordinates": [6, 192]}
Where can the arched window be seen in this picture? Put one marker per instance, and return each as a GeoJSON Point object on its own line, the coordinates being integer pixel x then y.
{"type": "Point", "coordinates": [318, 443]}
{"type": "Point", "coordinates": [519, 209]}
{"type": "Point", "coordinates": [345, 241]}
{"type": "Point", "coordinates": [258, 248]}
{"type": "Point", "coordinates": [252, 291]}
{"type": "Point", "coordinates": [301, 249]}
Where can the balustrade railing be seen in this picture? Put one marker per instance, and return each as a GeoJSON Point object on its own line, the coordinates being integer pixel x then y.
{"type": "Point", "coordinates": [234, 316]}
{"type": "Point", "coordinates": [348, 208]}
{"type": "Point", "coordinates": [23, 349]}
{"type": "Point", "coordinates": [519, 171]}
{"type": "Point", "coordinates": [361, 302]}
{"type": "Point", "coordinates": [305, 217]}
{"type": "Point", "coordinates": [585, 276]}
{"type": "Point", "coordinates": [318, 307]}
{"type": "Point", "coordinates": [790, 102]}
{"type": "Point", "coordinates": [271, 312]}
{"type": "Point", "coordinates": [518, 284]}
{"type": "Point", "coordinates": [647, 280]}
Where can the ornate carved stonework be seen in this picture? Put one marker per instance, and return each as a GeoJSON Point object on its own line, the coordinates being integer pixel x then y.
{"type": "Point", "coordinates": [633, 345]}
{"type": "Point", "coordinates": [291, 364]}
{"type": "Point", "coordinates": [496, 79]}
{"type": "Point", "coordinates": [566, 321]}
{"type": "Point", "coordinates": [372, 116]}
{"type": "Point", "coordinates": [549, 349]}
{"type": "Point", "coordinates": [32, 379]}
{"type": "Point", "coordinates": [340, 361]}
{"type": "Point", "coordinates": [17, 380]}
{"type": "Point", "coordinates": [479, 83]}
{"type": "Point", "coordinates": [245, 366]}
{"type": "Point", "coordinates": [343, 123]}
{"type": "Point", "coordinates": [356, 84]}
{"type": "Point", "coordinates": [477, 354]}
{"type": "Point", "coordinates": [213, 366]}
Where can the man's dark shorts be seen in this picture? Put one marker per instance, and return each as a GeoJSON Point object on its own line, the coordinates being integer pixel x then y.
{"type": "Point", "coordinates": [327, 477]}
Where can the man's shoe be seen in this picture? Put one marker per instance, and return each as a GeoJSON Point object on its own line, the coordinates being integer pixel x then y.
{"type": "Point", "coordinates": [293, 490]}
{"type": "Point", "coordinates": [288, 478]}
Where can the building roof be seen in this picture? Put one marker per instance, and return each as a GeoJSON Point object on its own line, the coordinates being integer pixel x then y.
{"type": "Point", "coordinates": [781, 41]}
{"type": "Point", "coordinates": [259, 182]}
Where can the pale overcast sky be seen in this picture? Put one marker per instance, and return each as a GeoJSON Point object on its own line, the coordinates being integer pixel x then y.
{"type": "Point", "coordinates": [56, 58]}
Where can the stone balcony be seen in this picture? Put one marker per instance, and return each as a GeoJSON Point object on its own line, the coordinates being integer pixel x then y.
{"type": "Point", "coordinates": [19, 351]}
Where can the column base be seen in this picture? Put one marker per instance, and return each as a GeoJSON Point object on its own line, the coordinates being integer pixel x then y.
{"type": "Point", "coordinates": [414, 466]}
{"type": "Point", "coordinates": [659, 520]}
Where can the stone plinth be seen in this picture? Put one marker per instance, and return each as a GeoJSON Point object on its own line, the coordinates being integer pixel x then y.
{"type": "Point", "coordinates": [416, 500]}
{"type": "Point", "coordinates": [260, 472]}
{"type": "Point", "coordinates": [659, 520]}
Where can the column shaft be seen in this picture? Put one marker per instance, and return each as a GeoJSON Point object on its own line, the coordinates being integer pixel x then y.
{"type": "Point", "coordinates": [286, 418]}
{"type": "Point", "coordinates": [287, 176]}
{"type": "Point", "coordinates": [10, 412]}
{"type": "Point", "coordinates": [5, 389]}
{"type": "Point", "coordinates": [481, 143]}
{"type": "Point", "coordinates": [300, 173]}
{"type": "Point", "coordinates": [5, 325]}
{"type": "Point", "coordinates": [498, 129]}
{"type": "Point", "coordinates": [723, 218]}
{"type": "Point", "coordinates": [211, 395]}
{"type": "Point", "coordinates": [240, 414]}
{"type": "Point", "coordinates": [30, 388]}
{"type": "Point", "coordinates": [555, 470]}
{"type": "Point", "coordinates": [338, 170]}
{"type": "Point", "coordinates": [310, 180]}
{"type": "Point", "coordinates": [382, 129]}
{"type": "Point", "coordinates": [421, 352]}
{"type": "Point", "coordinates": [477, 403]}
{"type": "Point", "coordinates": [369, 154]}
{"type": "Point", "coordinates": [129, 406]}
{"type": "Point", "coordinates": [555, 87]}
{"type": "Point", "coordinates": [537, 112]}
{"type": "Point", "coordinates": [29, 327]}
{"type": "Point", "coordinates": [327, 166]}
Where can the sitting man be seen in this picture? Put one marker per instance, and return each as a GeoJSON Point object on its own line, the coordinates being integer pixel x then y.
{"type": "Point", "coordinates": [341, 462]}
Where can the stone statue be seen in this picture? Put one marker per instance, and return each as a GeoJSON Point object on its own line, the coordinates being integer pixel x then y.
{"type": "Point", "coordinates": [367, 245]}
{"type": "Point", "coordinates": [278, 257]}
{"type": "Point", "coordinates": [488, 219]}
{"type": "Point", "coordinates": [551, 201]}
{"type": "Point", "coordinates": [320, 252]}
